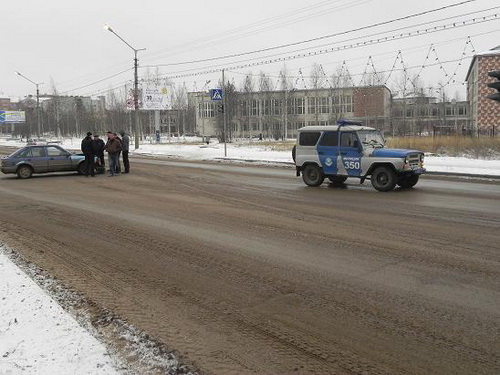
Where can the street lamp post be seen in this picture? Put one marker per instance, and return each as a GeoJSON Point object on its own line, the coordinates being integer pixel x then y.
{"type": "Point", "coordinates": [136, 84]}
{"type": "Point", "coordinates": [37, 103]}
{"type": "Point", "coordinates": [203, 110]}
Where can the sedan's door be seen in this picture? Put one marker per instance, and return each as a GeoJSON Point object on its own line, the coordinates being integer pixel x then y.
{"type": "Point", "coordinates": [38, 159]}
{"type": "Point", "coordinates": [59, 159]}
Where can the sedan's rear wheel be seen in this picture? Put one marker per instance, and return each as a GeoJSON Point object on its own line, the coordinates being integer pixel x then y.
{"type": "Point", "coordinates": [81, 168]}
{"type": "Point", "coordinates": [312, 175]}
{"type": "Point", "coordinates": [24, 171]}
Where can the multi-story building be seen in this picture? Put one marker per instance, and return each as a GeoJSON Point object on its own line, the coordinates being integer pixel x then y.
{"type": "Point", "coordinates": [485, 113]}
{"type": "Point", "coordinates": [279, 114]}
{"type": "Point", "coordinates": [425, 116]}
{"type": "Point", "coordinates": [7, 105]}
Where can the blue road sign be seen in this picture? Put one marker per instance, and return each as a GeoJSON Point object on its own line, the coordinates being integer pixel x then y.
{"type": "Point", "coordinates": [2, 117]}
{"type": "Point", "coordinates": [216, 94]}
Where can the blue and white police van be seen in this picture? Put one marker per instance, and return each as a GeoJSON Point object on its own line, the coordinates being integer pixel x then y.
{"type": "Point", "coordinates": [349, 149]}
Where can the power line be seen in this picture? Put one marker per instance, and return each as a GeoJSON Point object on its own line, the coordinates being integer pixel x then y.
{"type": "Point", "coordinates": [275, 21]}
{"type": "Point", "coordinates": [96, 82]}
{"type": "Point", "coordinates": [314, 53]}
{"type": "Point", "coordinates": [340, 48]}
{"type": "Point", "coordinates": [321, 37]}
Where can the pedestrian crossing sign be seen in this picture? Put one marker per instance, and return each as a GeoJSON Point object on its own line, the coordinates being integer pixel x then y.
{"type": "Point", "coordinates": [216, 94]}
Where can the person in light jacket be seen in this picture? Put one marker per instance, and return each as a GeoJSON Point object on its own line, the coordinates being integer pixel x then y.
{"type": "Point", "coordinates": [113, 148]}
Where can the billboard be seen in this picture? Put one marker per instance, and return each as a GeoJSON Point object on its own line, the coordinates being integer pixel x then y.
{"type": "Point", "coordinates": [11, 117]}
{"type": "Point", "coordinates": [157, 97]}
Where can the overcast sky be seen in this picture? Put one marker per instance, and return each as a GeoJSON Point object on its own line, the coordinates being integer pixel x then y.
{"type": "Point", "coordinates": [63, 44]}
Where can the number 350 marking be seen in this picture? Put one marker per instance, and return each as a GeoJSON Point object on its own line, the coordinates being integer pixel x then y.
{"type": "Point", "coordinates": [351, 164]}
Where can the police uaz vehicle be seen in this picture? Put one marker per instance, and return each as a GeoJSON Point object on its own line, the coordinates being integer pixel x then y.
{"type": "Point", "coordinates": [350, 149]}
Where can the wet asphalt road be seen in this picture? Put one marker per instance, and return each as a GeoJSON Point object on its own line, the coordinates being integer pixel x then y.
{"type": "Point", "coordinates": [246, 270]}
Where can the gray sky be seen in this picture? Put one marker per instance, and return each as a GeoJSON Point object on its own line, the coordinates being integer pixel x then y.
{"type": "Point", "coordinates": [63, 43]}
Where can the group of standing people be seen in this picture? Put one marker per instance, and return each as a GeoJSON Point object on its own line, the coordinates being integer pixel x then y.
{"type": "Point", "coordinates": [93, 146]}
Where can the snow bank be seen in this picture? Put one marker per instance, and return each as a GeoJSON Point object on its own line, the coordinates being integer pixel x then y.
{"type": "Point", "coordinates": [37, 336]}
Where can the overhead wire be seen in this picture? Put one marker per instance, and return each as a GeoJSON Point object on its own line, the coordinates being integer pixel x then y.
{"type": "Point", "coordinates": [275, 21]}
{"type": "Point", "coordinates": [257, 58]}
{"type": "Point", "coordinates": [269, 60]}
{"type": "Point", "coordinates": [321, 37]}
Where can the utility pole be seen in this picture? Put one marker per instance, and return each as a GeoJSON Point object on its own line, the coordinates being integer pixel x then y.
{"type": "Point", "coordinates": [224, 110]}
{"type": "Point", "coordinates": [285, 123]}
{"type": "Point", "coordinates": [136, 84]}
{"type": "Point", "coordinates": [39, 127]}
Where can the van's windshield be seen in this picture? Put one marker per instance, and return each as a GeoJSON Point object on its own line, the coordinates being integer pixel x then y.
{"type": "Point", "coordinates": [372, 138]}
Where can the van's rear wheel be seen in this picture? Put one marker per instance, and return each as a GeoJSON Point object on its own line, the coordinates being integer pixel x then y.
{"type": "Point", "coordinates": [312, 175]}
{"type": "Point", "coordinates": [408, 181]}
{"type": "Point", "coordinates": [383, 179]}
{"type": "Point", "coordinates": [338, 179]}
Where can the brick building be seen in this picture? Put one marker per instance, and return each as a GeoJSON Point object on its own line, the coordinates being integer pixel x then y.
{"type": "Point", "coordinates": [485, 113]}
{"type": "Point", "coordinates": [279, 114]}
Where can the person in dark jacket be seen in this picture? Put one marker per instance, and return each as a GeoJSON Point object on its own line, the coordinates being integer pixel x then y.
{"type": "Point", "coordinates": [125, 148]}
{"type": "Point", "coordinates": [88, 150]}
{"type": "Point", "coordinates": [118, 164]}
{"type": "Point", "coordinates": [99, 149]}
{"type": "Point", "coordinates": [113, 147]}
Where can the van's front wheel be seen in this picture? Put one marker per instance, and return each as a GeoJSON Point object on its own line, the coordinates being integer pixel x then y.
{"type": "Point", "coordinates": [312, 175]}
{"type": "Point", "coordinates": [383, 179]}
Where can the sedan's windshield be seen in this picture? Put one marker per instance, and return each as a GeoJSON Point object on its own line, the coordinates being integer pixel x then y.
{"type": "Point", "coordinates": [22, 153]}
{"type": "Point", "coordinates": [371, 138]}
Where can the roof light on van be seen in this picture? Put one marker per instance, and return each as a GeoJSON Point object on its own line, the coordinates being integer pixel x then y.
{"type": "Point", "coordinates": [344, 122]}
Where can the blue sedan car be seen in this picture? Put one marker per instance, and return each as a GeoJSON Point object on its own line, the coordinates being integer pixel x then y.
{"type": "Point", "coordinates": [42, 159]}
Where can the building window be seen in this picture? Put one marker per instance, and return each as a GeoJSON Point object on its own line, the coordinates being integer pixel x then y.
{"type": "Point", "coordinates": [323, 105]}
{"type": "Point", "coordinates": [312, 105]}
{"type": "Point", "coordinates": [243, 108]}
{"type": "Point", "coordinates": [299, 105]}
{"type": "Point", "coordinates": [255, 107]}
{"type": "Point", "coordinates": [205, 109]}
{"type": "Point", "coordinates": [348, 107]}
{"type": "Point", "coordinates": [295, 106]}
{"type": "Point", "coordinates": [255, 125]}
{"type": "Point", "coordinates": [209, 109]}
{"type": "Point", "coordinates": [267, 107]}
{"type": "Point", "coordinates": [277, 111]}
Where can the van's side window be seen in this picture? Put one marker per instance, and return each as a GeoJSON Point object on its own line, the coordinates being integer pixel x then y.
{"type": "Point", "coordinates": [348, 140]}
{"type": "Point", "coordinates": [329, 139]}
{"type": "Point", "coordinates": [309, 138]}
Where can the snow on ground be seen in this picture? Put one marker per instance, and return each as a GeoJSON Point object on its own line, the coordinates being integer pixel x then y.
{"type": "Point", "coordinates": [38, 336]}
{"type": "Point", "coordinates": [251, 152]}
{"type": "Point", "coordinates": [192, 149]}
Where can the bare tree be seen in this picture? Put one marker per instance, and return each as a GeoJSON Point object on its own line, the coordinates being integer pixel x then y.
{"type": "Point", "coordinates": [246, 103]}
{"type": "Point", "coordinates": [229, 90]}
{"type": "Point", "coordinates": [317, 77]}
{"type": "Point", "coordinates": [265, 88]}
